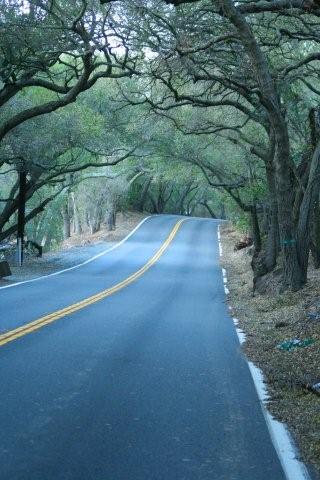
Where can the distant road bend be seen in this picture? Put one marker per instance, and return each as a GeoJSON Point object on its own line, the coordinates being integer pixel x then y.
{"type": "Point", "coordinates": [129, 368]}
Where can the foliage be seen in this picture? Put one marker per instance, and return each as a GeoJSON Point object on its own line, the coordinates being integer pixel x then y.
{"type": "Point", "coordinates": [178, 106]}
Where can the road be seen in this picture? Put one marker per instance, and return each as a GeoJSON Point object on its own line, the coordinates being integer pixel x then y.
{"type": "Point", "coordinates": [146, 383]}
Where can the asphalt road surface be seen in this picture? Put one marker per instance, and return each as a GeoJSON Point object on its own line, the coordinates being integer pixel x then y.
{"type": "Point", "coordinates": [146, 383]}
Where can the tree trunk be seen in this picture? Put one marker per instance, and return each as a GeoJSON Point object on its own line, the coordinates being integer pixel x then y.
{"type": "Point", "coordinates": [11, 206]}
{"type": "Point", "coordinates": [160, 202]}
{"type": "Point", "coordinates": [144, 194]}
{"type": "Point", "coordinates": [184, 195]}
{"type": "Point", "coordinates": [96, 219]}
{"type": "Point", "coordinates": [314, 119]}
{"type": "Point", "coordinates": [66, 220]}
{"type": "Point", "coordinates": [87, 219]}
{"type": "Point", "coordinates": [310, 198]}
{"type": "Point", "coordinates": [272, 246]}
{"type": "Point", "coordinates": [255, 228]}
{"type": "Point", "coordinates": [181, 208]}
{"type": "Point", "coordinates": [293, 277]}
{"type": "Point", "coordinates": [207, 206]}
{"type": "Point", "coordinates": [258, 264]}
{"type": "Point", "coordinates": [76, 217]}
{"type": "Point", "coordinates": [222, 211]}
{"type": "Point", "coordinates": [111, 220]}
{"type": "Point", "coordinates": [315, 235]}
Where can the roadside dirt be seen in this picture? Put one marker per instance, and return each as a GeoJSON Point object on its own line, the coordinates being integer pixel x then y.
{"type": "Point", "coordinates": [268, 321]}
{"type": "Point", "coordinates": [75, 250]}
{"type": "Point", "coordinates": [126, 222]}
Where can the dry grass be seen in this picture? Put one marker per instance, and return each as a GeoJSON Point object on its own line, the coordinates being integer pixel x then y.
{"type": "Point", "coordinates": [269, 320]}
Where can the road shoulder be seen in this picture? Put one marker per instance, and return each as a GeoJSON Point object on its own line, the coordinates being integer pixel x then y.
{"type": "Point", "coordinates": [268, 321]}
{"type": "Point", "coordinates": [74, 251]}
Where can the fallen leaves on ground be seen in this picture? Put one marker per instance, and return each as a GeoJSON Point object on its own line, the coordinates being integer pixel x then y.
{"type": "Point", "coordinates": [268, 321]}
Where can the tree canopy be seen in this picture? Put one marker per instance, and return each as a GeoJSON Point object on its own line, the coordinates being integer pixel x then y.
{"type": "Point", "coordinates": [196, 107]}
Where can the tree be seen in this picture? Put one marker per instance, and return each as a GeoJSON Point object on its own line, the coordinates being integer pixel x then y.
{"type": "Point", "coordinates": [218, 55]}
{"type": "Point", "coordinates": [80, 138]}
{"type": "Point", "coordinates": [61, 47]}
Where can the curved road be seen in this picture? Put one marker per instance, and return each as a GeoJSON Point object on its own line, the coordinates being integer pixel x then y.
{"type": "Point", "coordinates": [148, 383]}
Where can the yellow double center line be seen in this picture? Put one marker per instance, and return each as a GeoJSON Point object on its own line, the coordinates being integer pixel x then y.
{"type": "Point", "coordinates": [52, 317]}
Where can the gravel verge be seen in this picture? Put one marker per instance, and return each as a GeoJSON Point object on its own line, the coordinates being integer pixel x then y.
{"type": "Point", "coordinates": [73, 251]}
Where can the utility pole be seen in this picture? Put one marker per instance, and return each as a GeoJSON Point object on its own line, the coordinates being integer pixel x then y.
{"type": "Point", "coordinates": [21, 213]}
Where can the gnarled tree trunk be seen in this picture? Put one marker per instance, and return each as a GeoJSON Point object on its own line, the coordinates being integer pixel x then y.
{"type": "Point", "coordinates": [315, 234]}
{"type": "Point", "coordinates": [272, 246]}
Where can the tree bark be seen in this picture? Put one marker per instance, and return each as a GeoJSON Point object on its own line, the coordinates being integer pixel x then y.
{"type": "Point", "coordinates": [255, 228]}
{"type": "Point", "coordinates": [39, 209]}
{"type": "Point", "coordinates": [96, 219]}
{"type": "Point", "coordinates": [310, 197]}
{"type": "Point", "coordinates": [76, 217]}
{"type": "Point", "coordinates": [144, 194]}
{"type": "Point", "coordinates": [315, 228]}
{"type": "Point", "coordinates": [293, 276]}
{"type": "Point", "coordinates": [272, 246]}
{"type": "Point", "coordinates": [315, 235]}
{"type": "Point", "coordinates": [207, 206]}
{"type": "Point", "coordinates": [66, 220]}
{"type": "Point", "coordinates": [111, 220]}
{"type": "Point", "coordinates": [222, 211]}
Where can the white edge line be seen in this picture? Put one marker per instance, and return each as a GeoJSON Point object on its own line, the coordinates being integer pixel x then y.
{"type": "Point", "coordinates": [83, 263]}
{"type": "Point", "coordinates": [225, 281]}
{"type": "Point", "coordinates": [224, 275]}
{"type": "Point", "coordinates": [280, 436]}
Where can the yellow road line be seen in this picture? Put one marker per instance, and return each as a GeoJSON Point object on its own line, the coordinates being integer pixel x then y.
{"type": "Point", "coordinates": [52, 317]}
